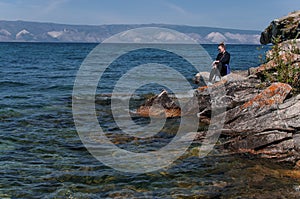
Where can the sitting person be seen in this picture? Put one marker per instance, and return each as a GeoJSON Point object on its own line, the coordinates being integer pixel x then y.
{"type": "Point", "coordinates": [220, 65]}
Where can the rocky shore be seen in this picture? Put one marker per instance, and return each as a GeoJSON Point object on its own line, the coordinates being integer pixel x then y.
{"type": "Point", "coordinates": [262, 117]}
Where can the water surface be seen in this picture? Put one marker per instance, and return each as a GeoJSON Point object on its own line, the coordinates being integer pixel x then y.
{"type": "Point", "coordinates": [42, 156]}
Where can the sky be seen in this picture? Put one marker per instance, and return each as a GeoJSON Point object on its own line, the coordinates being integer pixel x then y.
{"type": "Point", "coordinates": [237, 14]}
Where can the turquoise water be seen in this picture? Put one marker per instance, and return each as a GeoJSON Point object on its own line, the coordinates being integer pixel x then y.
{"type": "Point", "coordinates": [42, 156]}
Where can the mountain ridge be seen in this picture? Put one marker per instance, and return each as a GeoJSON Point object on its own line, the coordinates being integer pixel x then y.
{"type": "Point", "coordinates": [28, 31]}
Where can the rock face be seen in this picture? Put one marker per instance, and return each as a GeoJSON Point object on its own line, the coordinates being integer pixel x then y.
{"type": "Point", "coordinates": [283, 60]}
{"type": "Point", "coordinates": [287, 28]}
{"type": "Point", "coordinates": [263, 123]}
{"type": "Point", "coordinates": [272, 132]}
{"type": "Point", "coordinates": [235, 90]}
{"type": "Point", "coordinates": [258, 126]}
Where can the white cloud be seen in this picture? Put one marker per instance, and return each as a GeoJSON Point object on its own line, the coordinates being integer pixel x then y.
{"type": "Point", "coordinates": [239, 37]}
{"type": "Point", "coordinates": [53, 5]}
{"type": "Point", "coordinates": [32, 10]}
{"type": "Point", "coordinates": [176, 8]}
{"type": "Point", "coordinates": [243, 38]}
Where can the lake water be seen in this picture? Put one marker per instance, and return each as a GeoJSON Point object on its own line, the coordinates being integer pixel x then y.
{"type": "Point", "coordinates": [42, 155]}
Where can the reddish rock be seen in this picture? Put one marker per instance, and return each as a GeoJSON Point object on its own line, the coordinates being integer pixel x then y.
{"type": "Point", "coordinates": [267, 125]}
{"type": "Point", "coordinates": [274, 94]}
{"type": "Point", "coordinates": [161, 106]}
{"type": "Point", "coordinates": [244, 118]}
{"type": "Point", "coordinates": [144, 111]}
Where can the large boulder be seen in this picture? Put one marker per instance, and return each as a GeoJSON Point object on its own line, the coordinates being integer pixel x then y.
{"type": "Point", "coordinates": [244, 118]}
{"type": "Point", "coordinates": [272, 135]}
{"type": "Point", "coordinates": [267, 124]}
{"type": "Point", "coordinates": [202, 78]}
{"type": "Point", "coordinates": [286, 28]}
{"type": "Point", "coordinates": [233, 90]}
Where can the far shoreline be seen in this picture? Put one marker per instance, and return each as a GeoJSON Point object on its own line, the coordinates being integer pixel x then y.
{"type": "Point", "coordinates": [59, 42]}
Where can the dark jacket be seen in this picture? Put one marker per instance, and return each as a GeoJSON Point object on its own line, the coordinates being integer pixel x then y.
{"type": "Point", "coordinates": [224, 59]}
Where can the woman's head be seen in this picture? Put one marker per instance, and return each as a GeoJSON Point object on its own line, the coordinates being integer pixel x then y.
{"type": "Point", "coordinates": [222, 47]}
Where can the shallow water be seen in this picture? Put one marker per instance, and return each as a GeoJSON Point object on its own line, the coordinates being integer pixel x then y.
{"type": "Point", "coordinates": [42, 156]}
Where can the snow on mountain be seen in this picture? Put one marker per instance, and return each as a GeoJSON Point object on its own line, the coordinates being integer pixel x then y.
{"type": "Point", "coordinates": [21, 33]}
{"type": "Point", "coordinates": [166, 36]}
{"type": "Point", "coordinates": [55, 34]}
{"type": "Point", "coordinates": [238, 37]}
{"type": "Point", "coordinates": [216, 37]}
{"type": "Point", "coordinates": [150, 35]}
{"type": "Point", "coordinates": [51, 32]}
{"type": "Point", "coordinates": [4, 32]}
{"type": "Point", "coordinates": [242, 38]}
{"type": "Point", "coordinates": [195, 36]}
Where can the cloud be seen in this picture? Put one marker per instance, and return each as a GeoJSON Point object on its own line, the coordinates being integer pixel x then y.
{"type": "Point", "coordinates": [176, 8]}
{"type": "Point", "coordinates": [54, 4]}
{"type": "Point", "coordinates": [33, 10]}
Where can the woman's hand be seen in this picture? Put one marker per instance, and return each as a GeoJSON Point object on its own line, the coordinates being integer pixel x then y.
{"type": "Point", "coordinates": [215, 63]}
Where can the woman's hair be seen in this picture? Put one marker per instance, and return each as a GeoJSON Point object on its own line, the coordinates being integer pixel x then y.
{"type": "Point", "coordinates": [222, 44]}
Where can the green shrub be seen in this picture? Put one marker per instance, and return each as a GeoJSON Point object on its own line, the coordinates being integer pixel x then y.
{"type": "Point", "coordinates": [285, 69]}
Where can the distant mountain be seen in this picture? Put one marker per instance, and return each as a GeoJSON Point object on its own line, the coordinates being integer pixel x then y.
{"type": "Point", "coordinates": [23, 31]}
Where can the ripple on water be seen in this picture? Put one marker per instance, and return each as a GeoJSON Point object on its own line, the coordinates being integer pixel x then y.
{"type": "Point", "coordinates": [12, 84]}
{"type": "Point", "coordinates": [9, 113]}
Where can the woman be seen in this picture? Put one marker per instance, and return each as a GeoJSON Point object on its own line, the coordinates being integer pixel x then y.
{"type": "Point", "coordinates": [220, 64]}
